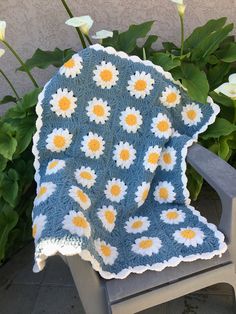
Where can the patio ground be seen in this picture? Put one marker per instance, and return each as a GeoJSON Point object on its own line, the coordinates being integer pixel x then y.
{"type": "Point", "coordinates": [52, 291]}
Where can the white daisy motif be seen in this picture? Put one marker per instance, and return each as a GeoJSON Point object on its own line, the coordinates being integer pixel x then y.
{"type": "Point", "coordinates": [107, 215]}
{"type": "Point", "coordinates": [63, 103]}
{"type": "Point", "coordinates": [38, 226]}
{"type": "Point", "coordinates": [85, 176]}
{"type": "Point", "coordinates": [131, 120]}
{"type": "Point", "coordinates": [164, 192]}
{"type": "Point", "coordinates": [124, 154]}
{"type": "Point", "coordinates": [76, 223]}
{"type": "Point", "coordinates": [106, 75]}
{"type": "Point", "coordinates": [142, 193]}
{"type": "Point", "coordinates": [172, 216]}
{"type": "Point", "coordinates": [45, 190]}
{"type": "Point", "coordinates": [80, 197]}
{"type": "Point", "coordinates": [151, 158]}
{"type": "Point", "coordinates": [161, 126]}
{"type": "Point", "coordinates": [54, 166]}
{"type": "Point", "coordinates": [137, 224]}
{"type": "Point", "coordinates": [140, 84]}
{"type": "Point", "coordinates": [98, 110]}
{"type": "Point", "coordinates": [92, 145]}
{"type": "Point", "coordinates": [191, 114]}
{"type": "Point", "coordinates": [189, 236]}
{"type": "Point", "coordinates": [147, 246]}
{"type": "Point", "coordinates": [170, 97]}
{"type": "Point", "coordinates": [108, 253]}
{"type": "Point", "coordinates": [115, 190]}
{"type": "Point", "coordinates": [72, 67]}
{"type": "Point", "coordinates": [59, 140]}
{"type": "Point", "coordinates": [168, 158]}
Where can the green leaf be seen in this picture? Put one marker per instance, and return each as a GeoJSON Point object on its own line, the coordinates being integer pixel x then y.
{"type": "Point", "coordinates": [169, 46]}
{"type": "Point", "coordinates": [222, 99]}
{"type": "Point", "coordinates": [30, 100]}
{"type": "Point", "coordinates": [9, 187]}
{"type": "Point", "coordinates": [7, 99]}
{"type": "Point", "coordinates": [165, 60]}
{"type": "Point", "coordinates": [43, 59]}
{"type": "Point", "coordinates": [218, 128]}
{"type": "Point", "coordinates": [195, 182]}
{"type": "Point", "coordinates": [147, 46]}
{"type": "Point", "coordinates": [227, 53]}
{"type": "Point", "coordinates": [8, 142]}
{"type": "Point", "coordinates": [217, 74]}
{"type": "Point", "coordinates": [195, 81]}
{"type": "Point", "coordinates": [223, 148]}
{"type": "Point", "coordinates": [112, 41]}
{"type": "Point", "coordinates": [3, 163]}
{"type": "Point", "coordinates": [24, 133]}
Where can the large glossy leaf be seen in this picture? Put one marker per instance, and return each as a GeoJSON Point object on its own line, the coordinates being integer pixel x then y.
{"type": "Point", "coordinates": [223, 100]}
{"type": "Point", "coordinates": [165, 60]}
{"type": "Point", "coordinates": [147, 46]}
{"type": "Point", "coordinates": [7, 99]}
{"type": "Point", "coordinates": [195, 182]}
{"type": "Point", "coordinates": [219, 128]}
{"type": "Point", "coordinates": [217, 74]}
{"type": "Point", "coordinates": [9, 187]}
{"type": "Point", "coordinates": [227, 53]}
{"type": "Point", "coordinates": [8, 142]}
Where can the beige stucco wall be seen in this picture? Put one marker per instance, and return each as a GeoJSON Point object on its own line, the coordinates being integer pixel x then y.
{"type": "Point", "coordinates": [34, 23]}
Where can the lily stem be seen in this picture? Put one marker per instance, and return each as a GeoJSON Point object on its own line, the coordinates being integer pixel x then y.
{"type": "Point", "coordinates": [10, 84]}
{"type": "Point", "coordinates": [182, 34]}
{"type": "Point", "coordinates": [21, 62]}
{"type": "Point", "coordinates": [88, 39]}
{"type": "Point", "coordinates": [77, 28]}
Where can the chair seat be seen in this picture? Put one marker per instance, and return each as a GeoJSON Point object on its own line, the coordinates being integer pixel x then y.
{"type": "Point", "coordinates": [136, 283]}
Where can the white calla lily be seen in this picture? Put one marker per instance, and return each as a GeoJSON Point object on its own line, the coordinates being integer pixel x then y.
{"type": "Point", "coordinates": [232, 78]}
{"type": "Point", "coordinates": [2, 51]}
{"type": "Point", "coordinates": [228, 89]}
{"type": "Point", "coordinates": [178, 1]}
{"type": "Point", "coordinates": [102, 34]}
{"type": "Point", "coordinates": [83, 22]}
{"type": "Point", "coordinates": [2, 29]}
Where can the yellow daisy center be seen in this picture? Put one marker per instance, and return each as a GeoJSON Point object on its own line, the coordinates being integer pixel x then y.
{"type": "Point", "coordinates": [124, 154]}
{"type": "Point", "coordinates": [59, 141]}
{"type": "Point", "coordinates": [172, 215]}
{"type": "Point", "coordinates": [167, 158]}
{"type": "Point", "coordinates": [64, 103]}
{"type": "Point", "coordinates": [80, 222]}
{"type": "Point", "coordinates": [146, 244]}
{"type": "Point", "coordinates": [53, 164]}
{"type": "Point", "coordinates": [188, 234]}
{"type": "Point", "coordinates": [115, 190]}
{"type": "Point", "coordinates": [106, 250]}
{"type": "Point", "coordinates": [106, 75]}
{"type": "Point", "coordinates": [42, 191]}
{"type": "Point", "coordinates": [69, 64]}
{"type": "Point", "coordinates": [163, 126]}
{"type": "Point", "coordinates": [163, 192]}
{"type": "Point", "coordinates": [86, 175]}
{"type": "Point", "coordinates": [82, 196]}
{"type": "Point", "coordinates": [34, 230]}
{"type": "Point", "coordinates": [145, 194]}
{"type": "Point", "coordinates": [171, 97]}
{"type": "Point", "coordinates": [191, 114]}
{"type": "Point", "coordinates": [110, 216]}
{"type": "Point", "coordinates": [94, 145]}
{"type": "Point", "coordinates": [153, 158]}
{"type": "Point", "coordinates": [137, 224]}
{"type": "Point", "coordinates": [140, 85]}
{"type": "Point", "coordinates": [98, 110]}
{"type": "Point", "coordinates": [131, 119]}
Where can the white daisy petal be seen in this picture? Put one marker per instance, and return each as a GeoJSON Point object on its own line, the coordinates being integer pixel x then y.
{"type": "Point", "coordinates": [98, 110]}
{"type": "Point", "coordinates": [85, 176]}
{"type": "Point", "coordinates": [164, 192]}
{"type": "Point", "coordinates": [38, 226]}
{"type": "Point", "coordinates": [108, 253]}
{"type": "Point", "coordinates": [45, 190]}
{"type": "Point", "coordinates": [189, 236]}
{"type": "Point", "coordinates": [131, 120]}
{"type": "Point", "coordinates": [76, 223]}
{"type": "Point", "coordinates": [106, 75]}
{"type": "Point", "coordinates": [191, 114]}
{"type": "Point", "coordinates": [80, 197]}
{"type": "Point", "coordinates": [170, 97]}
{"type": "Point", "coordinates": [142, 193]}
{"type": "Point", "coordinates": [168, 158]}
{"type": "Point", "coordinates": [93, 145]}
{"type": "Point", "coordinates": [115, 190]}
{"type": "Point", "coordinates": [107, 215]}
{"type": "Point", "coordinates": [72, 67]}
{"type": "Point", "coordinates": [140, 84]}
{"type": "Point", "coordinates": [59, 140]}
{"type": "Point", "coordinates": [63, 103]}
{"type": "Point", "coordinates": [124, 155]}
{"type": "Point", "coordinates": [147, 246]}
{"type": "Point", "coordinates": [137, 224]}
{"type": "Point", "coordinates": [151, 158]}
{"type": "Point", "coordinates": [161, 126]}
{"type": "Point", "coordinates": [54, 166]}
{"type": "Point", "coordinates": [172, 216]}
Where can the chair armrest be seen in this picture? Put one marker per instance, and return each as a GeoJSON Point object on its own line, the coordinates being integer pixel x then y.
{"type": "Point", "coordinates": [222, 177]}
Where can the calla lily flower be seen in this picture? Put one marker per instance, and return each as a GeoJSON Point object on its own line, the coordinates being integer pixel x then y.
{"type": "Point", "coordinates": [3, 25]}
{"type": "Point", "coordinates": [228, 89]}
{"type": "Point", "coordinates": [178, 1]}
{"type": "Point", "coordinates": [2, 51]}
{"type": "Point", "coordinates": [232, 78]}
{"type": "Point", "coordinates": [83, 22]}
{"type": "Point", "coordinates": [181, 6]}
{"type": "Point", "coordinates": [102, 34]}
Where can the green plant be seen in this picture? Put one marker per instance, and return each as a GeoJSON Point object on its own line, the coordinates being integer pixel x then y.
{"type": "Point", "coordinates": [203, 62]}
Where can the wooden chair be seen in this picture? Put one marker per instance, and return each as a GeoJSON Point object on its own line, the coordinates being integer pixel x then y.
{"type": "Point", "coordinates": [141, 291]}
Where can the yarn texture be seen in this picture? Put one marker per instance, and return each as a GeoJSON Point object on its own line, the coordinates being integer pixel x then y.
{"type": "Point", "coordinates": [110, 159]}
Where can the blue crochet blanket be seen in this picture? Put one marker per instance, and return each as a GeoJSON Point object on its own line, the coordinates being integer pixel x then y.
{"type": "Point", "coordinates": [110, 159]}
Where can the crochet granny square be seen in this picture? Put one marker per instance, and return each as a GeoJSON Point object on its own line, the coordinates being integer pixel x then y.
{"type": "Point", "coordinates": [110, 159]}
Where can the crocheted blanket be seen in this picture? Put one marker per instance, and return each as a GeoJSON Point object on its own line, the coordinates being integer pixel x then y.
{"type": "Point", "coordinates": [110, 159]}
